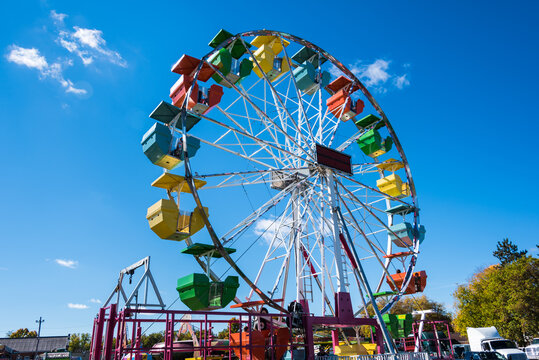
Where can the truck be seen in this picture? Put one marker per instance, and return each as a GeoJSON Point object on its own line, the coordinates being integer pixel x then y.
{"type": "Point", "coordinates": [532, 350]}
{"type": "Point", "coordinates": [488, 339]}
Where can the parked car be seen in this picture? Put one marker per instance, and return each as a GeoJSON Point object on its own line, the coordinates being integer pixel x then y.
{"type": "Point", "coordinates": [482, 355]}
{"type": "Point", "coordinates": [460, 349]}
{"type": "Point", "coordinates": [532, 350]}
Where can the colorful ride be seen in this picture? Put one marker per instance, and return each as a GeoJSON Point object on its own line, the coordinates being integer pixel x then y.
{"type": "Point", "coordinates": [372, 145]}
{"type": "Point", "coordinates": [390, 165]}
{"type": "Point", "coordinates": [165, 218]}
{"type": "Point", "coordinates": [232, 69]}
{"type": "Point", "coordinates": [255, 345]}
{"type": "Point", "coordinates": [368, 121]}
{"type": "Point", "coordinates": [172, 224]}
{"type": "Point", "coordinates": [399, 326]}
{"type": "Point", "coordinates": [404, 233]}
{"type": "Point", "coordinates": [265, 56]}
{"type": "Point", "coordinates": [307, 75]}
{"type": "Point", "coordinates": [416, 284]}
{"type": "Point", "coordinates": [341, 104]}
{"type": "Point", "coordinates": [197, 291]}
{"type": "Point", "coordinates": [187, 66]}
{"type": "Point", "coordinates": [401, 209]}
{"type": "Point", "coordinates": [156, 144]}
{"type": "Point", "coordinates": [344, 349]}
{"type": "Point", "coordinates": [384, 294]}
{"type": "Point", "coordinates": [392, 185]}
{"type": "Point", "coordinates": [236, 47]}
{"type": "Point", "coordinates": [201, 100]}
{"type": "Point", "coordinates": [162, 149]}
{"type": "Point", "coordinates": [166, 113]}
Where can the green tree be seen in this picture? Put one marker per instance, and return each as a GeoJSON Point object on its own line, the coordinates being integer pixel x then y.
{"type": "Point", "coordinates": [506, 297]}
{"type": "Point", "coordinates": [507, 252]}
{"type": "Point", "coordinates": [22, 333]}
{"type": "Point", "coordinates": [234, 326]}
{"type": "Point", "coordinates": [147, 341]}
{"type": "Point", "coordinates": [79, 343]}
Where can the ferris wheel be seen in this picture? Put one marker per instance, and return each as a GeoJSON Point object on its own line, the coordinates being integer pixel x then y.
{"type": "Point", "coordinates": [290, 176]}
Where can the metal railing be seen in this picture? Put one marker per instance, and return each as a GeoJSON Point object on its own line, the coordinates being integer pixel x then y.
{"type": "Point", "coordinates": [398, 356]}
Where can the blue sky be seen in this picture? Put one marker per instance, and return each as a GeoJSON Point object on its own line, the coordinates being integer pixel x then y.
{"type": "Point", "coordinates": [457, 80]}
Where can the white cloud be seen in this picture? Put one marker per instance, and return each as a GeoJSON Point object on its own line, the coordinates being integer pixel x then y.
{"type": "Point", "coordinates": [376, 75]}
{"type": "Point", "coordinates": [91, 37]}
{"type": "Point", "coordinates": [74, 90]}
{"type": "Point", "coordinates": [373, 74]}
{"type": "Point", "coordinates": [58, 17]}
{"type": "Point", "coordinates": [77, 306]}
{"type": "Point", "coordinates": [72, 47]}
{"type": "Point", "coordinates": [267, 229]}
{"type": "Point", "coordinates": [27, 57]}
{"type": "Point", "coordinates": [31, 58]}
{"type": "Point", "coordinates": [401, 81]}
{"type": "Point", "coordinates": [67, 263]}
{"type": "Point", "coordinates": [95, 301]}
{"type": "Point", "coordinates": [89, 44]}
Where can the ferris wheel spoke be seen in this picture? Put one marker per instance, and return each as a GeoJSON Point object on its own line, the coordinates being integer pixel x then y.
{"type": "Point", "coordinates": [224, 148]}
{"type": "Point", "coordinates": [284, 265]}
{"type": "Point", "coordinates": [298, 93]}
{"type": "Point", "coordinates": [372, 246]}
{"type": "Point", "coordinates": [370, 188]}
{"type": "Point", "coordinates": [240, 95]}
{"type": "Point", "coordinates": [272, 131]}
{"type": "Point", "coordinates": [284, 217]}
{"type": "Point", "coordinates": [253, 217]}
{"type": "Point", "coordinates": [259, 141]}
{"type": "Point", "coordinates": [333, 131]}
{"type": "Point", "coordinates": [267, 146]}
{"type": "Point", "coordinates": [365, 168]}
{"type": "Point", "coordinates": [248, 99]}
{"type": "Point", "coordinates": [272, 249]}
{"type": "Point", "coordinates": [369, 211]}
{"type": "Point", "coordinates": [275, 94]}
{"type": "Point", "coordinates": [331, 123]}
{"type": "Point", "coordinates": [365, 203]}
{"type": "Point", "coordinates": [281, 113]}
{"type": "Point", "coordinates": [242, 178]}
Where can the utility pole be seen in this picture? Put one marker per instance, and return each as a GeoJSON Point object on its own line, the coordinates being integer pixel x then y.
{"type": "Point", "coordinates": [38, 333]}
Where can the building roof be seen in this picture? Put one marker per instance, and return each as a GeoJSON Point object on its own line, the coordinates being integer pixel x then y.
{"type": "Point", "coordinates": [46, 343]}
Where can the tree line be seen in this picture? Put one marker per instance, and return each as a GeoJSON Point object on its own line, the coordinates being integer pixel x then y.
{"type": "Point", "coordinates": [505, 295]}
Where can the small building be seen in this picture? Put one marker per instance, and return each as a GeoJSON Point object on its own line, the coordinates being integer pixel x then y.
{"type": "Point", "coordinates": [25, 348]}
{"type": "Point", "coordinates": [6, 353]}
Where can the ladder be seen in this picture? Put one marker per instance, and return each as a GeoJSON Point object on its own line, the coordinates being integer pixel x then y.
{"type": "Point", "coordinates": [308, 285]}
{"type": "Point", "coordinates": [344, 260]}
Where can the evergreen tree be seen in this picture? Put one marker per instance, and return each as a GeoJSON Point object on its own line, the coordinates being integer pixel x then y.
{"type": "Point", "coordinates": [507, 252]}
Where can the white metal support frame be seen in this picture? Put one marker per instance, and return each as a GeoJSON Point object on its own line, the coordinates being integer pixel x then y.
{"type": "Point", "coordinates": [336, 231]}
{"type": "Point", "coordinates": [423, 314]}
{"type": "Point", "coordinates": [146, 278]}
